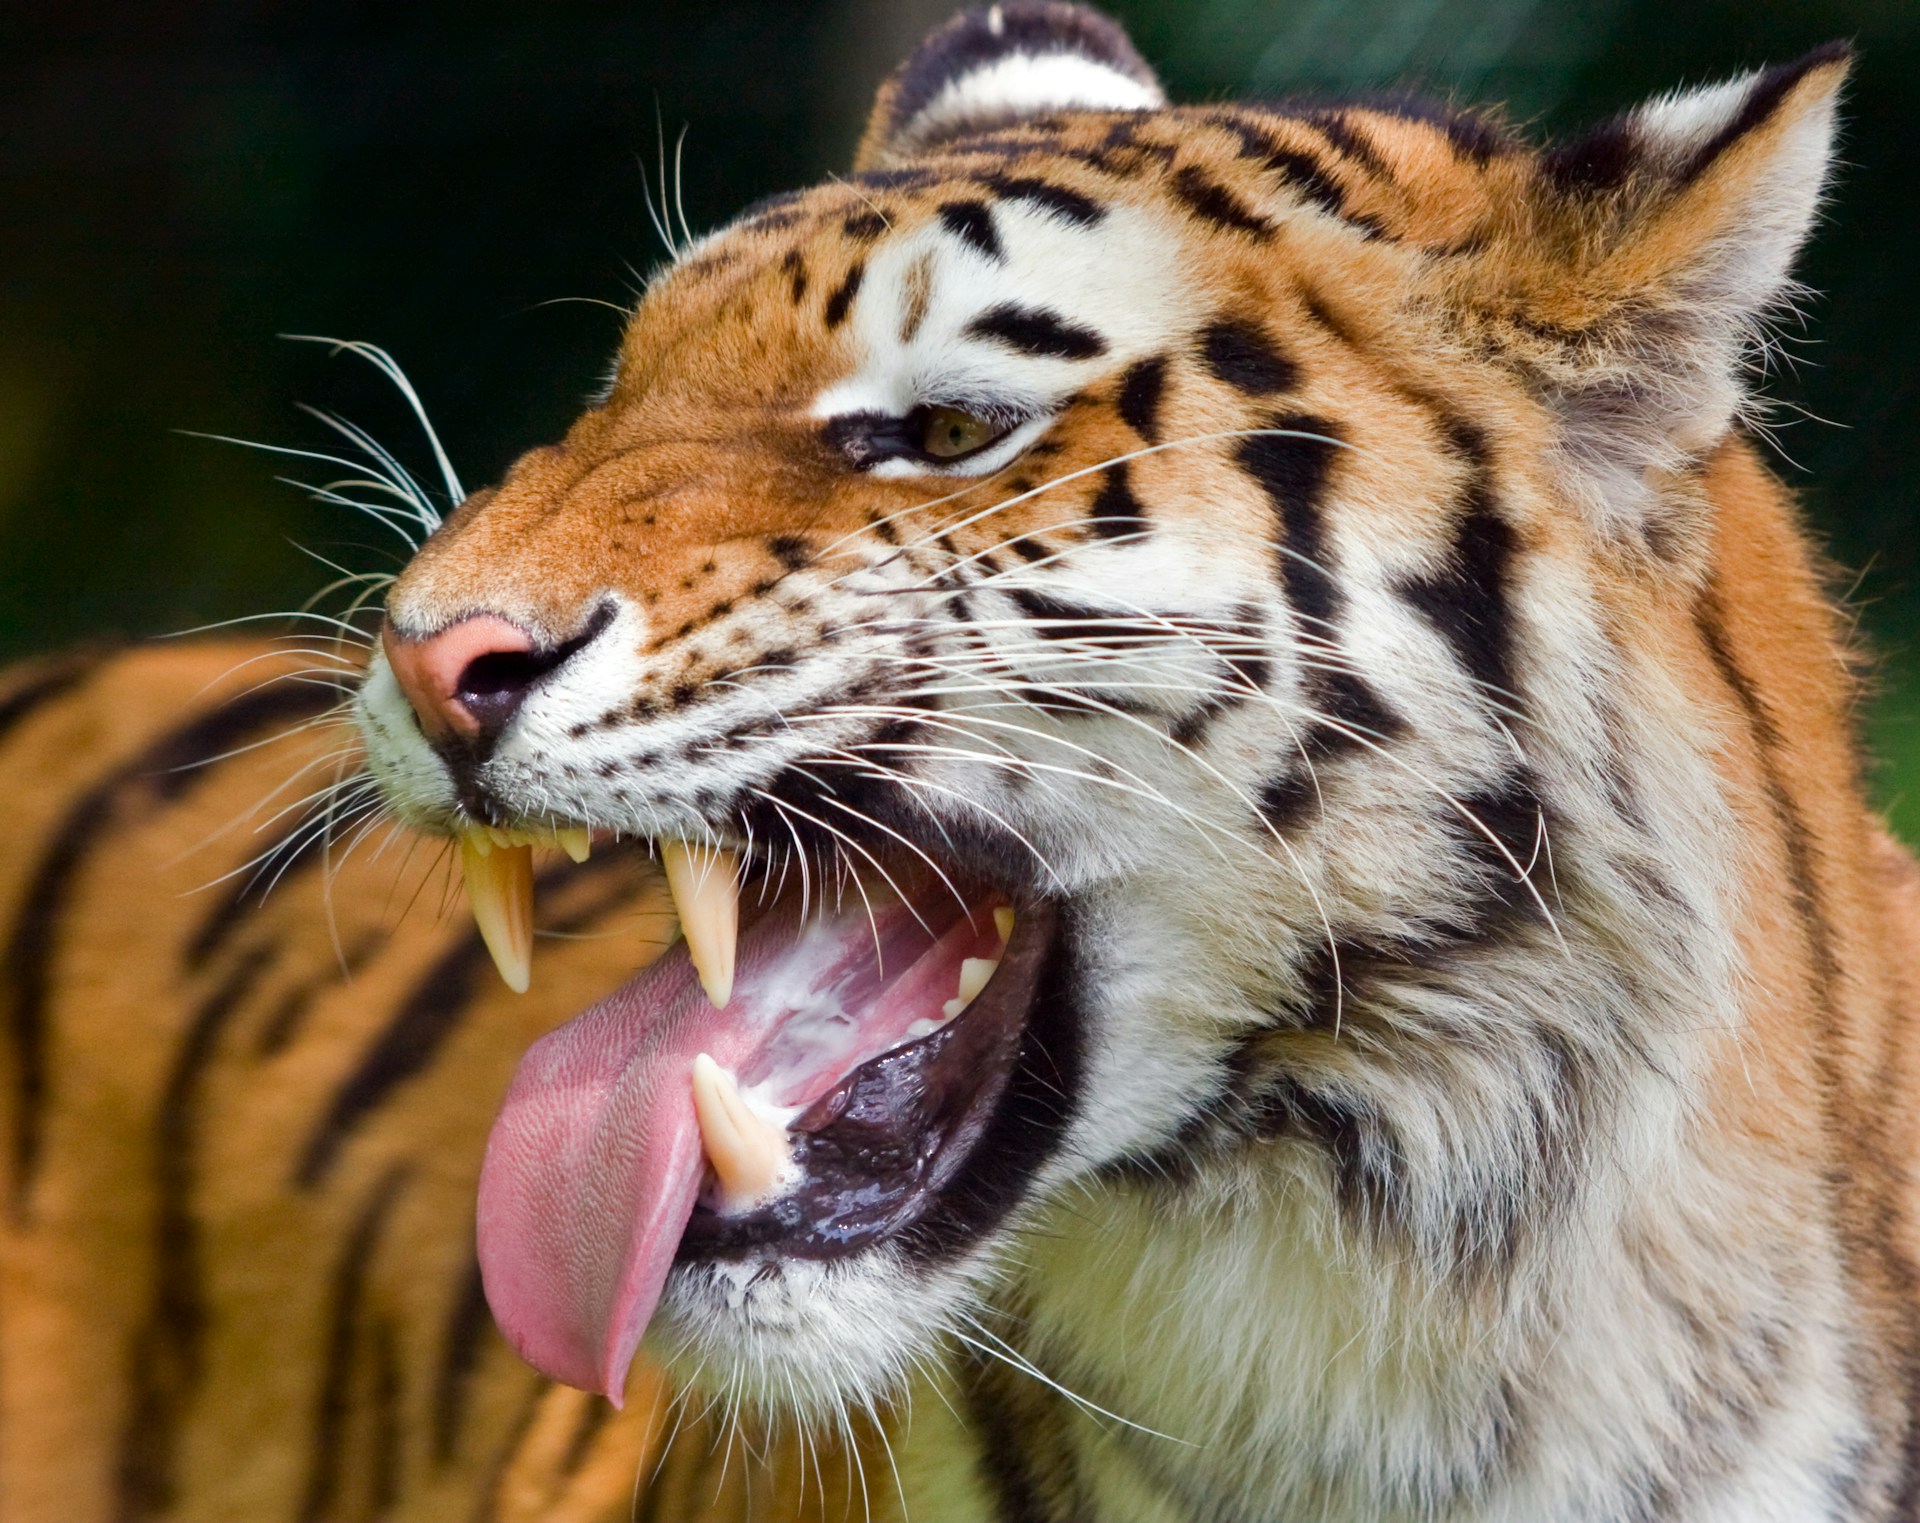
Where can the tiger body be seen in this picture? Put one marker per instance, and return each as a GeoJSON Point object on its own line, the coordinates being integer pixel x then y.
{"type": "Point", "coordinates": [1456, 1037]}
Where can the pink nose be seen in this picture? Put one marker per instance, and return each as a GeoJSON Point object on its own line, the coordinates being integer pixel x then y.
{"type": "Point", "coordinates": [466, 680]}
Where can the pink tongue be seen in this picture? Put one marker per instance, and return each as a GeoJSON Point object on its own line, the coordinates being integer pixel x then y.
{"type": "Point", "coordinates": [595, 1162]}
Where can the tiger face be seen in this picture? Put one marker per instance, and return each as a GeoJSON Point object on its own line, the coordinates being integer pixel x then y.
{"type": "Point", "coordinates": [1140, 636]}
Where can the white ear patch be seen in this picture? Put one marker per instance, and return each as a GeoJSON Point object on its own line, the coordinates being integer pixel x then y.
{"type": "Point", "coordinates": [994, 67]}
{"type": "Point", "coordinates": [1021, 85]}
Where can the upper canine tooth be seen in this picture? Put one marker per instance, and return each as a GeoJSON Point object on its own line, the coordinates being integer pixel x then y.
{"type": "Point", "coordinates": [499, 883]}
{"type": "Point", "coordinates": [705, 885]}
{"type": "Point", "coordinates": [576, 842]}
{"type": "Point", "coordinates": [974, 973]}
{"type": "Point", "coordinates": [747, 1151]}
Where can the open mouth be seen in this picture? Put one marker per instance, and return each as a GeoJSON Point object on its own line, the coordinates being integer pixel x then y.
{"type": "Point", "coordinates": [796, 1079]}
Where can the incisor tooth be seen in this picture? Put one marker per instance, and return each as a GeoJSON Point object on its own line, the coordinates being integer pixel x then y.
{"type": "Point", "coordinates": [499, 883]}
{"type": "Point", "coordinates": [576, 842]}
{"type": "Point", "coordinates": [746, 1150]}
{"type": "Point", "coordinates": [706, 893]}
{"type": "Point", "coordinates": [974, 973]}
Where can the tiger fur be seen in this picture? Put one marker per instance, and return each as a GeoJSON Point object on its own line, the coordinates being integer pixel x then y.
{"type": "Point", "coordinates": [1458, 1070]}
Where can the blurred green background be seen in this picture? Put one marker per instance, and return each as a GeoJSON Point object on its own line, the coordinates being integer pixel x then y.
{"type": "Point", "coordinates": [179, 183]}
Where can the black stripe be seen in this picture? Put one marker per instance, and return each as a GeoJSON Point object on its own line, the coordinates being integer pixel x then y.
{"type": "Point", "coordinates": [977, 39]}
{"type": "Point", "coordinates": [841, 301]}
{"type": "Point", "coordinates": [594, 1417]}
{"type": "Point", "coordinates": [298, 849]}
{"type": "Point", "coordinates": [972, 223]}
{"type": "Point", "coordinates": [1763, 99]}
{"type": "Point", "coordinates": [158, 776]}
{"type": "Point", "coordinates": [1116, 511]}
{"type": "Point", "coordinates": [1241, 646]}
{"type": "Point", "coordinates": [864, 226]}
{"type": "Point", "coordinates": [282, 1022]}
{"type": "Point", "coordinates": [1060, 619]}
{"type": "Point", "coordinates": [1599, 161]}
{"type": "Point", "coordinates": [404, 1049]}
{"type": "Point", "coordinates": [1141, 388]}
{"type": "Point", "coordinates": [1310, 178]}
{"type": "Point", "coordinates": [1000, 1445]}
{"type": "Point", "coordinates": [388, 1435]}
{"type": "Point", "coordinates": [468, 1324]}
{"type": "Point", "coordinates": [1356, 717]}
{"type": "Point", "coordinates": [1285, 799]}
{"type": "Point", "coordinates": [167, 1358]}
{"type": "Point", "coordinates": [43, 684]}
{"type": "Point", "coordinates": [794, 263]}
{"type": "Point", "coordinates": [334, 1395]}
{"type": "Point", "coordinates": [892, 179]}
{"type": "Point", "coordinates": [1214, 203]}
{"type": "Point", "coordinates": [1345, 139]}
{"type": "Point", "coordinates": [1037, 331]}
{"type": "Point", "coordinates": [1242, 354]}
{"type": "Point", "coordinates": [428, 1016]}
{"type": "Point", "coordinates": [1369, 1159]}
{"type": "Point", "coordinates": [1293, 472]}
{"type": "Point", "coordinates": [1466, 600]}
{"type": "Point", "coordinates": [1069, 205]}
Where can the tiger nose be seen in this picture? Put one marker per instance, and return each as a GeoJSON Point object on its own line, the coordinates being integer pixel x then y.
{"type": "Point", "coordinates": [471, 677]}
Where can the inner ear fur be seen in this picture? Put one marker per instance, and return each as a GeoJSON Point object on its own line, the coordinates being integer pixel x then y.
{"type": "Point", "coordinates": [1633, 278]}
{"type": "Point", "coordinates": [1001, 64]}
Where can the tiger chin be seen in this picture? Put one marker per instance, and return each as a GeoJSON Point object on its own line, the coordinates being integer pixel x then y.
{"type": "Point", "coordinates": [1248, 791]}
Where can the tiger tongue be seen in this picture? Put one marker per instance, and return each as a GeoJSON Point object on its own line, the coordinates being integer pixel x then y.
{"type": "Point", "coordinates": [595, 1160]}
{"type": "Point", "coordinates": [591, 1172]}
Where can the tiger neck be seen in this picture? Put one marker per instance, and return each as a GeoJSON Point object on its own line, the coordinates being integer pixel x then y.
{"type": "Point", "coordinates": [1544, 1198]}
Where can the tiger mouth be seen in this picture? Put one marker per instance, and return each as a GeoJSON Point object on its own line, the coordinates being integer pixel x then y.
{"type": "Point", "coordinates": [792, 1080]}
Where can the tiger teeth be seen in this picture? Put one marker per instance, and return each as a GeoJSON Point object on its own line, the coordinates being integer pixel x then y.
{"type": "Point", "coordinates": [975, 972]}
{"type": "Point", "coordinates": [747, 1152]}
{"type": "Point", "coordinates": [1003, 923]}
{"type": "Point", "coordinates": [705, 885]}
{"type": "Point", "coordinates": [499, 880]}
{"type": "Point", "coordinates": [577, 843]}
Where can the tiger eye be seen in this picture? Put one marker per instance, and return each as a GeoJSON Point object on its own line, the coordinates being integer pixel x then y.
{"type": "Point", "coordinates": [946, 433]}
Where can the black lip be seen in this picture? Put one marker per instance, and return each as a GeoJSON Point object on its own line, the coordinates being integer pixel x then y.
{"type": "Point", "coordinates": [933, 1142]}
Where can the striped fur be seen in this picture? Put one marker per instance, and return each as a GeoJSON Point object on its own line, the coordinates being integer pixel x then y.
{"type": "Point", "coordinates": [1467, 1077]}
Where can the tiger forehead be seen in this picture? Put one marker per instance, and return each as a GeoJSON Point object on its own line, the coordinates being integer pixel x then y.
{"type": "Point", "coordinates": [1406, 170]}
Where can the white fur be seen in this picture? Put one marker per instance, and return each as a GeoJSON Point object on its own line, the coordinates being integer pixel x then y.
{"type": "Point", "coordinates": [1024, 84]}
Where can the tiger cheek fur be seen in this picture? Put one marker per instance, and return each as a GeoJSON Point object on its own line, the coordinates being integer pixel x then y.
{"type": "Point", "coordinates": [1435, 1008]}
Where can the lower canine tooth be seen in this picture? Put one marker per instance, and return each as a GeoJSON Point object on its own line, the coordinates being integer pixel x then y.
{"type": "Point", "coordinates": [705, 885]}
{"type": "Point", "coordinates": [499, 883]}
{"type": "Point", "coordinates": [747, 1151]}
{"type": "Point", "coordinates": [974, 973]}
{"type": "Point", "coordinates": [1003, 922]}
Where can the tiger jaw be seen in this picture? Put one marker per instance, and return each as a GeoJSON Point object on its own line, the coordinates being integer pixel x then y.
{"type": "Point", "coordinates": [806, 1088]}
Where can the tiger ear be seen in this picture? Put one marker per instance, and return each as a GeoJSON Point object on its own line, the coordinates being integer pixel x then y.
{"type": "Point", "coordinates": [998, 65]}
{"type": "Point", "coordinates": [1655, 248]}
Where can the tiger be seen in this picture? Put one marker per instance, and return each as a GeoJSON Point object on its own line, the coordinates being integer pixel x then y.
{"type": "Point", "coordinates": [1162, 823]}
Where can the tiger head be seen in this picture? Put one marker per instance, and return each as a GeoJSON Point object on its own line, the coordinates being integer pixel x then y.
{"type": "Point", "coordinates": [1133, 630]}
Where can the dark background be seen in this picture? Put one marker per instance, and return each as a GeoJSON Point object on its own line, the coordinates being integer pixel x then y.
{"type": "Point", "coordinates": [180, 183]}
